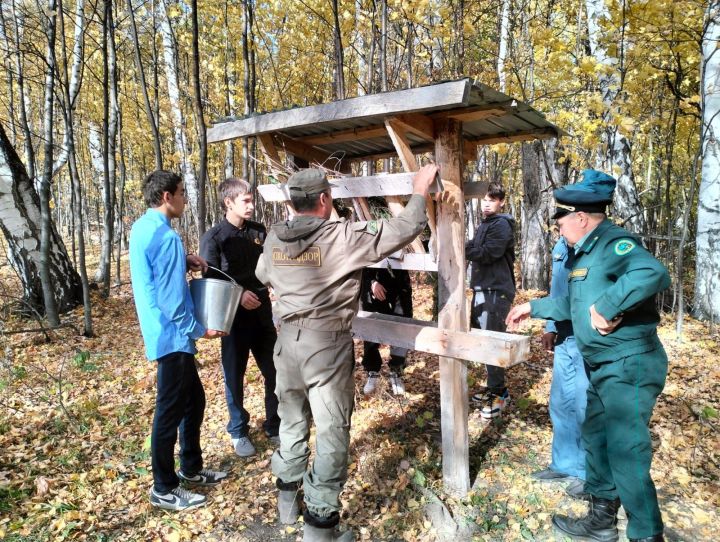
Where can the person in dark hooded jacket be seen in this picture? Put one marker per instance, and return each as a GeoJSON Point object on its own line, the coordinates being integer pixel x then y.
{"type": "Point", "coordinates": [492, 254]}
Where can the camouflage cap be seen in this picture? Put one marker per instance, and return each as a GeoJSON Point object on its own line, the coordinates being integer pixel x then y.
{"type": "Point", "coordinates": [306, 182]}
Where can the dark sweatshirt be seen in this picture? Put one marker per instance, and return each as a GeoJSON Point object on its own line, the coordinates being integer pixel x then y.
{"type": "Point", "coordinates": [492, 254]}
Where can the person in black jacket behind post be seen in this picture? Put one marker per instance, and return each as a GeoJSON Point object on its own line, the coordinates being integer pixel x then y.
{"type": "Point", "coordinates": [386, 291]}
{"type": "Point", "coordinates": [493, 282]}
{"type": "Point", "coordinates": [234, 246]}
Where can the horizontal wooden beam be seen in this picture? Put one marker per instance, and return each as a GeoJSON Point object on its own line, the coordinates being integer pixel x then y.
{"type": "Point", "coordinates": [475, 346]}
{"type": "Point", "coordinates": [390, 184]}
{"type": "Point", "coordinates": [470, 151]}
{"type": "Point", "coordinates": [452, 94]}
{"type": "Point", "coordinates": [415, 123]}
{"type": "Point", "coordinates": [411, 261]}
{"type": "Point", "coordinates": [354, 134]}
{"type": "Point", "coordinates": [480, 112]}
{"type": "Point", "coordinates": [416, 149]}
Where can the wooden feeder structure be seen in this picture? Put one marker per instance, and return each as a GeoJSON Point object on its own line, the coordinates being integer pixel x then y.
{"type": "Point", "coordinates": [448, 120]}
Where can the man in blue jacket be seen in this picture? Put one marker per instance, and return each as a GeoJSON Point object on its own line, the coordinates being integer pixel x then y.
{"type": "Point", "coordinates": [611, 302]}
{"type": "Point", "coordinates": [568, 392]}
{"type": "Point", "coordinates": [158, 265]}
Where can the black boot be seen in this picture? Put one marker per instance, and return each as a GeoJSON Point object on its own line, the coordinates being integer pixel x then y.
{"type": "Point", "coordinates": [599, 525]}
{"type": "Point", "coordinates": [654, 538]}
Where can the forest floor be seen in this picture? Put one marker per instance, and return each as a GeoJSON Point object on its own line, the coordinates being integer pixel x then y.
{"type": "Point", "coordinates": [75, 418]}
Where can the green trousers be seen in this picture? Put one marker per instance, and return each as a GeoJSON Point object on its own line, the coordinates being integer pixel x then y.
{"type": "Point", "coordinates": [314, 377]}
{"type": "Point", "coordinates": [620, 400]}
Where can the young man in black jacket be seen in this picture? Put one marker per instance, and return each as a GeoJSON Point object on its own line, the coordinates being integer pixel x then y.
{"type": "Point", "coordinates": [492, 253]}
{"type": "Point", "coordinates": [234, 246]}
{"type": "Point", "coordinates": [386, 291]}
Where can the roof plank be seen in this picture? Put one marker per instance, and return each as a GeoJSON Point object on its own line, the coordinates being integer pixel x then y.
{"type": "Point", "coordinates": [450, 94]}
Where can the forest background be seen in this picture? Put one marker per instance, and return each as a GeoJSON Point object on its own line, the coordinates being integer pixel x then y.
{"type": "Point", "coordinates": [96, 94]}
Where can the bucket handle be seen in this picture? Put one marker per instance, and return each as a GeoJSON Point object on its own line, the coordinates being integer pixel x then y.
{"type": "Point", "coordinates": [224, 273]}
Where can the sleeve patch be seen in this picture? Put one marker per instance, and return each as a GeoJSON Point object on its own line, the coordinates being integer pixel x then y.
{"type": "Point", "coordinates": [623, 247]}
{"type": "Point", "coordinates": [370, 227]}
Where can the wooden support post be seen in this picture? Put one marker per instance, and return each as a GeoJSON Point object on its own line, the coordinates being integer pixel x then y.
{"type": "Point", "coordinates": [453, 312]}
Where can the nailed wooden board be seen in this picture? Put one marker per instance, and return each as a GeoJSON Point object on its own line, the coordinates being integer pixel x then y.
{"type": "Point", "coordinates": [409, 262]}
{"type": "Point", "coordinates": [475, 346]}
{"type": "Point", "coordinates": [391, 184]}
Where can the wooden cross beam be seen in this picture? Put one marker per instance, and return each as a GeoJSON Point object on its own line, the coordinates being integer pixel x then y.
{"type": "Point", "coordinates": [476, 346]}
{"type": "Point", "coordinates": [384, 184]}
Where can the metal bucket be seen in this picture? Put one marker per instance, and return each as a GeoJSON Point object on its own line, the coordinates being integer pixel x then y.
{"type": "Point", "coordinates": [216, 301]}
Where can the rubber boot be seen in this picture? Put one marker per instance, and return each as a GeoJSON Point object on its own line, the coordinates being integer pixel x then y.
{"type": "Point", "coordinates": [289, 506]}
{"type": "Point", "coordinates": [654, 538]}
{"type": "Point", "coordinates": [326, 534]}
{"type": "Point", "coordinates": [600, 524]}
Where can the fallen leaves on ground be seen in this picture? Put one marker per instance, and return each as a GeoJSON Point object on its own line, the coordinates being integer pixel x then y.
{"type": "Point", "coordinates": [75, 426]}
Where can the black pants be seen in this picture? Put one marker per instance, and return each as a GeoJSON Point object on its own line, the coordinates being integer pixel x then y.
{"type": "Point", "coordinates": [489, 310]}
{"type": "Point", "coordinates": [398, 304]}
{"type": "Point", "coordinates": [179, 404]}
{"type": "Point", "coordinates": [236, 348]}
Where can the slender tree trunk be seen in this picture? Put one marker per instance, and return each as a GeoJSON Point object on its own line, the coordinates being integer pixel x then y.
{"type": "Point", "coordinates": [503, 44]}
{"type": "Point", "coordinates": [24, 98]}
{"type": "Point", "coordinates": [119, 229]}
{"type": "Point", "coordinates": [110, 105]}
{"type": "Point", "coordinates": [69, 85]}
{"type": "Point", "coordinates": [51, 309]}
{"type": "Point", "coordinates": [171, 75]}
{"type": "Point", "coordinates": [707, 292]}
{"type": "Point", "coordinates": [199, 120]}
{"type": "Point", "coordinates": [143, 87]}
{"type": "Point", "coordinates": [339, 55]}
{"type": "Point", "coordinates": [230, 84]}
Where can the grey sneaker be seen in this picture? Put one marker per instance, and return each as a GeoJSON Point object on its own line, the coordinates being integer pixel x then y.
{"type": "Point", "coordinates": [396, 381]}
{"type": "Point", "coordinates": [177, 499]}
{"type": "Point", "coordinates": [372, 382]}
{"type": "Point", "coordinates": [243, 447]}
{"type": "Point", "coordinates": [204, 477]}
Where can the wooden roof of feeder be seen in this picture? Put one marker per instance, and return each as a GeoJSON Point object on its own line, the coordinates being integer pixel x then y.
{"type": "Point", "coordinates": [354, 129]}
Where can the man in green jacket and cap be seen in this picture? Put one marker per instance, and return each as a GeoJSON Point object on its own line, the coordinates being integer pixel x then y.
{"type": "Point", "coordinates": [611, 303]}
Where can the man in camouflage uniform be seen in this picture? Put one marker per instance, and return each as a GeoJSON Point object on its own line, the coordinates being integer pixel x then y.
{"type": "Point", "coordinates": [314, 266]}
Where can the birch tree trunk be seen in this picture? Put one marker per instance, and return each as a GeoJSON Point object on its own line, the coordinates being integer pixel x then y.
{"type": "Point", "coordinates": [24, 104]}
{"type": "Point", "coordinates": [707, 292]}
{"type": "Point", "coordinates": [171, 74]}
{"type": "Point", "coordinates": [199, 120]}
{"type": "Point", "coordinates": [102, 274]}
{"type": "Point", "coordinates": [73, 82]}
{"type": "Point", "coordinates": [615, 158]}
{"type": "Point", "coordinates": [70, 84]}
{"type": "Point", "coordinates": [143, 86]}
{"type": "Point", "coordinates": [503, 44]}
{"type": "Point", "coordinates": [51, 308]}
{"type": "Point", "coordinates": [20, 222]}
{"type": "Point", "coordinates": [230, 85]}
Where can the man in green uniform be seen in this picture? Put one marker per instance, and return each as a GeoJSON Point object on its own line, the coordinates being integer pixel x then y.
{"type": "Point", "coordinates": [611, 303]}
{"type": "Point", "coordinates": [314, 266]}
